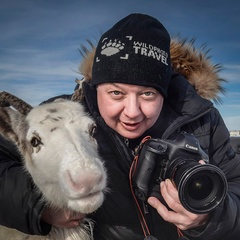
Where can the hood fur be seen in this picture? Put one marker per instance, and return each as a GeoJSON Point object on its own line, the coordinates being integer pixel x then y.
{"type": "Point", "coordinates": [194, 64]}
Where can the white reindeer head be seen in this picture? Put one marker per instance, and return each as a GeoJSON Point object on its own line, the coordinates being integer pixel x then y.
{"type": "Point", "coordinates": [56, 143]}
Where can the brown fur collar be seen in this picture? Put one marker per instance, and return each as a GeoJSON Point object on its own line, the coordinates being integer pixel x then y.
{"type": "Point", "coordinates": [194, 64]}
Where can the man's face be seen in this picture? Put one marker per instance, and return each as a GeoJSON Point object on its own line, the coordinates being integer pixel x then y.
{"type": "Point", "coordinates": [129, 109]}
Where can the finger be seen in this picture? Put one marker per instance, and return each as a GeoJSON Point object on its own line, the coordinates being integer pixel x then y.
{"type": "Point", "coordinates": [170, 195]}
{"type": "Point", "coordinates": [171, 190]}
{"type": "Point", "coordinates": [71, 224]}
{"type": "Point", "coordinates": [77, 215]}
{"type": "Point", "coordinates": [155, 203]}
{"type": "Point", "coordinates": [170, 216]}
{"type": "Point", "coordinates": [162, 210]}
{"type": "Point", "coordinates": [180, 217]}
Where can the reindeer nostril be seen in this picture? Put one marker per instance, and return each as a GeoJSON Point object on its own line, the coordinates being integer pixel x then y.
{"type": "Point", "coordinates": [84, 182]}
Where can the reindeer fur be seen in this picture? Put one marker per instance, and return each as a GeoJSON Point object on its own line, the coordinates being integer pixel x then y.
{"type": "Point", "coordinates": [60, 153]}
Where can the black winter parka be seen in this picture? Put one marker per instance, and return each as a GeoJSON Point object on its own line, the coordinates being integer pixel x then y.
{"type": "Point", "coordinates": [183, 110]}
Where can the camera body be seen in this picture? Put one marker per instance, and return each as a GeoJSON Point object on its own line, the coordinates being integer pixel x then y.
{"type": "Point", "coordinates": [201, 187]}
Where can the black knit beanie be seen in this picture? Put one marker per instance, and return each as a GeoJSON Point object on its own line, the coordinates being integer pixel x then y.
{"type": "Point", "coordinates": [136, 50]}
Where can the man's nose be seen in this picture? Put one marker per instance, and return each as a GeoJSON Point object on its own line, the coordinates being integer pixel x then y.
{"type": "Point", "coordinates": [132, 107]}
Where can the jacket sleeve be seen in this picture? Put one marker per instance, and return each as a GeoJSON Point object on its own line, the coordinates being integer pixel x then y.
{"type": "Point", "coordinates": [224, 221]}
{"type": "Point", "coordinates": [21, 204]}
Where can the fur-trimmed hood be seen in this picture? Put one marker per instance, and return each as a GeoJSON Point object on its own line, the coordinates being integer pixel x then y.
{"type": "Point", "coordinates": [194, 64]}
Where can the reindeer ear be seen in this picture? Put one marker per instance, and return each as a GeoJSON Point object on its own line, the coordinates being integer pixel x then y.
{"type": "Point", "coordinates": [7, 99]}
{"type": "Point", "coordinates": [11, 123]}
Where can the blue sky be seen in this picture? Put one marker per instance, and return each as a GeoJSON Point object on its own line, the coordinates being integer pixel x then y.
{"type": "Point", "coordinates": [40, 39]}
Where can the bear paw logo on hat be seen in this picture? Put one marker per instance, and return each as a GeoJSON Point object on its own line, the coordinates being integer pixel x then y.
{"type": "Point", "coordinates": [112, 47]}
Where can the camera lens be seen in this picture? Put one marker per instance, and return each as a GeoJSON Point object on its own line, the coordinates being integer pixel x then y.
{"type": "Point", "coordinates": [200, 187]}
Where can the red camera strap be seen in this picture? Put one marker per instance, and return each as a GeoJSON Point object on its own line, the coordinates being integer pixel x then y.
{"type": "Point", "coordinates": [141, 217]}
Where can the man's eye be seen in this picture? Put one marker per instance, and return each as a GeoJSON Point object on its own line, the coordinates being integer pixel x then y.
{"type": "Point", "coordinates": [116, 93]}
{"type": "Point", "coordinates": [148, 94]}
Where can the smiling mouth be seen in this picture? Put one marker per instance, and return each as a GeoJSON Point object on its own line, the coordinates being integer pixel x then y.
{"type": "Point", "coordinates": [131, 126]}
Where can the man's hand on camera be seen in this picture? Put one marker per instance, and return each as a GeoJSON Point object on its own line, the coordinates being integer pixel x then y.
{"type": "Point", "coordinates": [178, 215]}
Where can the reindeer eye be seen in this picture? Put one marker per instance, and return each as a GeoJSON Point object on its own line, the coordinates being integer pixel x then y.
{"type": "Point", "coordinates": [92, 129]}
{"type": "Point", "coordinates": [35, 141]}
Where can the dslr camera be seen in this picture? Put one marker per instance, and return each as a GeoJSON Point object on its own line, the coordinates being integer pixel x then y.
{"type": "Point", "coordinates": [201, 187]}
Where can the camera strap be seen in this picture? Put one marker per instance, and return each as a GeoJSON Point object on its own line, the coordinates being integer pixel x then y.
{"type": "Point", "coordinates": [140, 213]}
{"type": "Point", "coordinates": [141, 217]}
